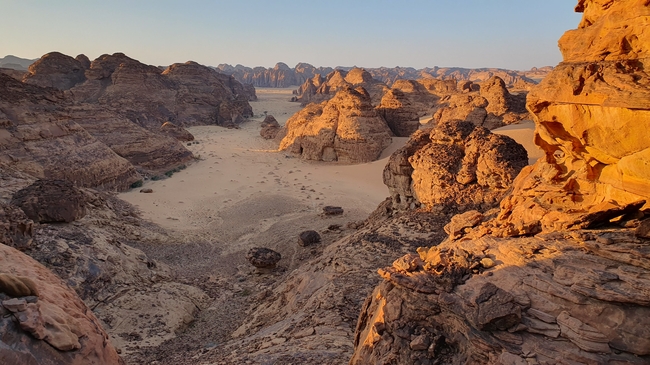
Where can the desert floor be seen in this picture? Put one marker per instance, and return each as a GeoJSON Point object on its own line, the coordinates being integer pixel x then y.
{"type": "Point", "coordinates": [242, 193]}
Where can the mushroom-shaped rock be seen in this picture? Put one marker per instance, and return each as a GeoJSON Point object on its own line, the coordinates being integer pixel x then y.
{"type": "Point", "coordinates": [262, 257]}
{"type": "Point", "coordinates": [51, 201]}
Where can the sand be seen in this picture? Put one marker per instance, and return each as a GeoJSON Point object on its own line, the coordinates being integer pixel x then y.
{"type": "Point", "coordinates": [237, 170]}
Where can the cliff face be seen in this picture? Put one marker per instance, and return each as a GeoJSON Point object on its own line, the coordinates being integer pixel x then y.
{"type": "Point", "coordinates": [346, 129]}
{"type": "Point", "coordinates": [574, 292]}
{"type": "Point", "coordinates": [280, 75]}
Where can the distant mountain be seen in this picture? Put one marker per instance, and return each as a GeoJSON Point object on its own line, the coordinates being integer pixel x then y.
{"type": "Point", "coordinates": [16, 63]}
{"type": "Point", "coordinates": [283, 76]}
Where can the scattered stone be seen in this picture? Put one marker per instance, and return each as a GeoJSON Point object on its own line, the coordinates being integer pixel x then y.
{"type": "Point", "coordinates": [15, 304]}
{"type": "Point", "coordinates": [146, 190]}
{"type": "Point", "coordinates": [263, 258]}
{"type": "Point", "coordinates": [420, 343]}
{"type": "Point", "coordinates": [643, 230]}
{"type": "Point", "coordinates": [308, 238]}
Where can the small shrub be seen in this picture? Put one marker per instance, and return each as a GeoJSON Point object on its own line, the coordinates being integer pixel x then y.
{"type": "Point", "coordinates": [156, 178]}
{"type": "Point", "coordinates": [169, 173]}
{"type": "Point", "coordinates": [137, 184]}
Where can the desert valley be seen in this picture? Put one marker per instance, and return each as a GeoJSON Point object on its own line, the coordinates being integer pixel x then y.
{"type": "Point", "coordinates": [190, 214]}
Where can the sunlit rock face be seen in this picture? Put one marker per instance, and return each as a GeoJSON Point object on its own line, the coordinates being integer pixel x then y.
{"type": "Point", "coordinates": [592, 115]}
{"type": "Point", "coordinates": [345, 129]}
{"type": "Point", "coordinates": [568, 294]}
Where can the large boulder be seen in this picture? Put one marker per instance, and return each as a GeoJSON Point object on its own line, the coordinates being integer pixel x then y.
{"type": "Point", "coordinates": [46, 322]}
{"type": "Point", "coordinates": [177, 132]}
{"type": "Point", "coordinates": [345, 129]}
{"type": "Point", "coordinates": [49, 201]}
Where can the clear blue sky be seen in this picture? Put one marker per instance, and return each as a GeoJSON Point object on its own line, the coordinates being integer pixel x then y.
{"type": "Point", "coordinates": [514, 34]}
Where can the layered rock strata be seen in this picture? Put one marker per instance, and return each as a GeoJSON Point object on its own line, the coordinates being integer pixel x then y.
{"type": "Point", "coordinates": [345, 129]}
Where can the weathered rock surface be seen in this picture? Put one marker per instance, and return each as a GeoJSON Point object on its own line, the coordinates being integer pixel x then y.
{"type": "Point", "coordinates": [177, 132]}
{"type": "Point", "coordinates": [262, 257]}
{"type": "Point", "coordinates": [50, 201]}
{"type": "Point", "coordinates": [344, 129]}
{"type": "Point", "coordinates": [407, 101]}
{"type": "Point", "coordinates": [56, 70]}
{"type": "Point", "coordinates": [308, 238]}
{"type": "Point", "coordinates": [186, 94]}
{"type": "Point", "coordinates": [319, 88]}
{"type": "Point", "coordinates": [454, 164]}
{"type": "Point", "coordinates": [270, 127]}
{"type": "Point", "coordinates": [49, 325]}
{"type": "Point", "coordinates": [592, 116]}
{"type": "Point", "coordinates": [491, 107]}
{"type": "Point", "coordinates": [16, 229]}
{"type": "Point", "coordinates": [38, 138]}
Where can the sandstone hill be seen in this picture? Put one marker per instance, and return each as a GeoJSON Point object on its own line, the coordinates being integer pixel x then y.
{"type": "Point", "coordinates": [559, 274]}
{"type": "Point", "coordinates": [345, 128]}
{"type": "Point", "coordinates": [321, 88]}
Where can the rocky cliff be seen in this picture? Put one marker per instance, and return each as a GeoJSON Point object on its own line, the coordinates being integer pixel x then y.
{"type": "Point", "coordinates": [572, 290]}
{"type": "Point", "coordinates": [320, 88]}
{"type": "Point", "coordinates": [346, 129]}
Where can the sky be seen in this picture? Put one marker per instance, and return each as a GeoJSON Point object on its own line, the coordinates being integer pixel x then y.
{"type": "Point", "coordinates": [512, 34]}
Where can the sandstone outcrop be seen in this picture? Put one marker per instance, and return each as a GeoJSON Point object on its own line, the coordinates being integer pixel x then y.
{"type": "Point", "coordinates": [454, 164]}
{"type": "Point", "coordinates": [568, 294]}
{"type": "Point", "coordinates": [177, 132]}
{"type": "Point", "coordinates": [186, 94]}
{"type": "Point", "coordinates": [50, 201]}
{"type": "Point", "coordinates": [492, 106]}
{"type": "Point", "coordinates": [345, 129]}
{"type": "Point", "coordinates": [46, 322]}
{"type": "Point", "coordinates": [38, 138]}
{"type": "Point", "coordinates": [592, 115]}
{"type": "Point", "coordinates": [318, 88]}
{"type": "Point", "coordinates": [408, 100]}
{"type": "Point", "coordinates": [270, 127]}
{"type": "Point", "coordinates": [56, 70]}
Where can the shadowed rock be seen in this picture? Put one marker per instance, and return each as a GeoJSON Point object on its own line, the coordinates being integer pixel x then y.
{"type": "Point", "coordinates": [51, 201]}
{"type": "Point", "coordinates": [262, 257]}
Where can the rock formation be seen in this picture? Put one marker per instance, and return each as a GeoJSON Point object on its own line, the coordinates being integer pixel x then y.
{"type": "Point", "coordinates": [50, 201]}
{"type": "Point", "coordinates": [455, 164]}
{"type": "Point", "coordinates": [279, 76]}
{"type": "Point", "coordinates": [270, 127]}
{"type": "Point", "coordinates": [56, 70]}
{"type": "Point", "coordinates": [346, 129]}
{"type": "Point", "coordinates": [492, 106]}
{"type": "Point", "coordinates": [37, 137]}
{"type": "Point", "coordinates": [43, 321]}
{"type": "Point", "coordinates": [573, 292]}
{"type": "Point", "coordinates": [408, 100]}
{"type": "Point", "coordinates": [318, 88]}
{"type": "Point", "coordinates": [177, 132]}
{"type": "Point", "coordinates": [262, 257]}
{"type": "Point", "coordinates": [186, 94]}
